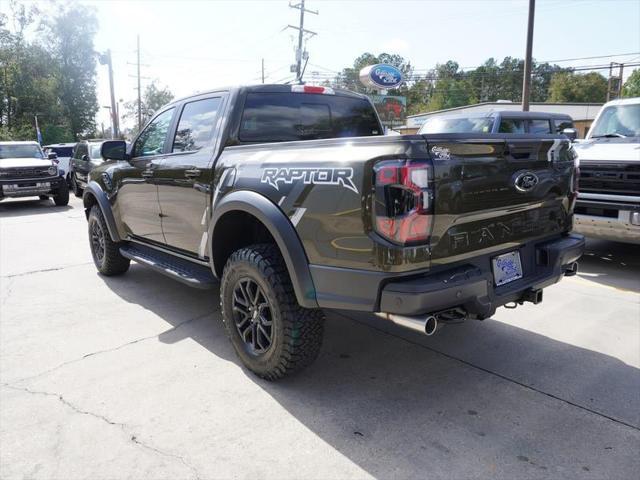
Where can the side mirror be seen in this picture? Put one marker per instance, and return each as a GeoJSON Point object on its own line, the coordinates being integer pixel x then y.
{"type": "Point", "coordinates": [52, 155]}
{"type": "Point", "coordinates": [114, 150]}
{"type": "Point", "coordinates": [570, 133]}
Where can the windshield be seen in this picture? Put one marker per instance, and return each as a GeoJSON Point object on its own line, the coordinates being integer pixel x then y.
{"type": "Point", "coordinates": [457, 125]}
{"type": "Point", "coordinates": [20, 151]}
{"type": "Point", "coordinates": [618, 121]}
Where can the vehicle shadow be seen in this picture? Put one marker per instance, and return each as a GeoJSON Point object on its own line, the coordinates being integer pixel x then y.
{"type": "Point", "coordinates": [611, 263]}
{"type": "Point", "coordinates": [400, 405]}
{"type": "Point", "coordinates": [32, 206]}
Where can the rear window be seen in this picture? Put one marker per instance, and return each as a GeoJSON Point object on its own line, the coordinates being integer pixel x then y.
{"type": "Point", "coordinates": [62, 151]}
{"type": "Point", "coordinates": [278, 117]}
{"type": "Point", "coordinates": [457, 125]}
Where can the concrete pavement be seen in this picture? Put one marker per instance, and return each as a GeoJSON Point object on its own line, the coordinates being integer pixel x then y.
{"type": "Point", "coordinates": [132, 377]}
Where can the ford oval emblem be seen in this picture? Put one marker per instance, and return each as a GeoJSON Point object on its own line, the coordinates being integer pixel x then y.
{"type": "Point", "coordinates": [381, 76]}
{"type": "Point", "coordinates": [526, 181]}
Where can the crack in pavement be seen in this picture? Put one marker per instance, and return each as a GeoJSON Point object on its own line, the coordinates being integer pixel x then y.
{"type": "Point", "coordinates": [499, 375]}
{"type": "Point", "coordinates": [123, 426]}
{"type": "Point", "coordinates": [52, 269]}
{"type": "Point", "coordinates": [113, 349]}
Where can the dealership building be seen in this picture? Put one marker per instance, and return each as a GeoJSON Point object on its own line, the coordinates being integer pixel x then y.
{"type": "Point", "coordinates": [582, 114]}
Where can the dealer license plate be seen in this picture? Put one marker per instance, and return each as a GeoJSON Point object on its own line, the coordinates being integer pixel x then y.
{"type": "Point", "coordinates": [507, 268]}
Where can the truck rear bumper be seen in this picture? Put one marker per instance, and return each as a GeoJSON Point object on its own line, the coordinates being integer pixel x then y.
{"type": "Point", "coordinates": [469, 286]}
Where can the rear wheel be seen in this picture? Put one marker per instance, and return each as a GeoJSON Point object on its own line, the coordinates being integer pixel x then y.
{"type": "Point", "coordinates": [105, 252]}
{"type": "Point", "coordinates": [270, 332]}
{"type": "Point", "coordinates": [61, 198]}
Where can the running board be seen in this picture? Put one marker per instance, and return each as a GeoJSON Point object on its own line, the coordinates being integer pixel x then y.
{"type": "Point", "coordinates": [184, 271]}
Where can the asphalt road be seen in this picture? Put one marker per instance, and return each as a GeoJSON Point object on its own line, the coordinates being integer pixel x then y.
{"type": "Point", "coordinates": [132, 377]}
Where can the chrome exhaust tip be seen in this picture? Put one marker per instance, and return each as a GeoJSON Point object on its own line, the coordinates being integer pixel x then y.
{"type": "Point", "coordinates": [430, 325]}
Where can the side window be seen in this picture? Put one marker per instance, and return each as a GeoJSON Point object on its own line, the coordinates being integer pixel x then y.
{"type": "Point", "coordinates": [197, 124]}
{"type": "Point", "coordinates": [81, 150]}
{"type": "Point", "coordinates": [151, 140]}
{"type": "Point", "coordinates": [511, 125]}
{"type": "Point", "coordinates": [540, 127]}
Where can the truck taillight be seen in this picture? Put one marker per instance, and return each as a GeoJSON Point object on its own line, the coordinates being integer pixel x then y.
{"type": "Point", "coordinates": [403, 200]}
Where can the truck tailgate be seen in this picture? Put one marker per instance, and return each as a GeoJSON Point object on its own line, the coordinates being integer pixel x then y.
{"type": "Point", "coordinates": [491, 192]}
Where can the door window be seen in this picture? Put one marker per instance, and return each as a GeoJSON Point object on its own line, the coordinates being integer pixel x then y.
{"type": "Point", "coordinates": [81, 150]}
{"type": "Point", "coordinates": [151, 140]}
{"type": "Point", "coordinates": [540, 127]}
{"type": "Point", "coordinates": [511, 125]}
{"type": "Point", "coordinates": [197, 124]}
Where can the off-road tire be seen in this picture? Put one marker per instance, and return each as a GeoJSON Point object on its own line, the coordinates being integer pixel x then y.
{"type": "Point", "coordinates": [77, 191]}
{"type": "Point", "coordinates": [61, 198]}
{"type": "Point", "coordinates": [296, 331]}
{"type": "Point", "coordinates": [110, 262]}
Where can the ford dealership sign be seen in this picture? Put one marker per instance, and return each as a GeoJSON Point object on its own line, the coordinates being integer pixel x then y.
{"type": "Point", "coordinates": [381, 76]}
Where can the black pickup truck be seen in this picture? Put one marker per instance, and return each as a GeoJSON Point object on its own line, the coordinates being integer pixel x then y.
{"type": "Point", "coordinates": [293, 197]}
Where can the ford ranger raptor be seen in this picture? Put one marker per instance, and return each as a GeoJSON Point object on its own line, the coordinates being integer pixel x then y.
{"type": "Point", "coordinates": [292, 200]}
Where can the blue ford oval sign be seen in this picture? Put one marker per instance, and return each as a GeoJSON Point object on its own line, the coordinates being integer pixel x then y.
{"type": "Point", "coordinates": [381, 76]}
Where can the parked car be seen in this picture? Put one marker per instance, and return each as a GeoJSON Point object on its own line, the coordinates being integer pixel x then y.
{"type": "Point", "coordinates": [25, 171]}
{"type": "Point", "coordinates": [505, 121]}
{"type": "Point", "coordinates": [295, 199]}
{"type": "Point", "coordinates": [86, 156]}
{"type": "Point", "coordinates": [64, 152]}
{"type": "Point", "coordinates": [608, 204]}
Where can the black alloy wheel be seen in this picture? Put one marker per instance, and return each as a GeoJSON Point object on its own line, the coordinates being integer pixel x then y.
{"type": "Point", "coordinates": [97, 242]}
{"type": "Point", "coordinates": [252, 316]}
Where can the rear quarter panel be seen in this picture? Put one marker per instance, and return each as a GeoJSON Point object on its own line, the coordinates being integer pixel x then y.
{"type": "Point", "coordinates": [324, 187]}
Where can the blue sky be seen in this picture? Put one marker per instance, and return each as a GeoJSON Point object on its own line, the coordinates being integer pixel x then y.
{"type": "Point", "coordinates": [196, 45]}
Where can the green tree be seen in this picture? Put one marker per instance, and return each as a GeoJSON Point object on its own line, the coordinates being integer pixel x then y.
{"type": "Point", "coordinates": [68, 37]}
{"type": "Point", "coordinates": [572, 87]}
{"type": "Point", "coordinates": [153, 98]}
{"type": "Point", "coordinates": [631, 87]}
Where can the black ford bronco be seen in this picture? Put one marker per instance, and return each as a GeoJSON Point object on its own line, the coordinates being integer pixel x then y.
{"type": "Point", "coordinates": [293, 197]}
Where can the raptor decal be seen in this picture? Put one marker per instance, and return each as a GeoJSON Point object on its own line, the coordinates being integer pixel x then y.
{"type": "Point", "coordinates": [342, 176]}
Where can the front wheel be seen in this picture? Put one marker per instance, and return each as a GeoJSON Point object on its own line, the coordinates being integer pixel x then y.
{"type": "Point", "coordinates": [77, 191]}
{"type": "Point", "coordinates": [270, 332]}
{"type": "Point", "coordinates": [61, 198]}
{"type": "Point", "coordinates": [105, 252]}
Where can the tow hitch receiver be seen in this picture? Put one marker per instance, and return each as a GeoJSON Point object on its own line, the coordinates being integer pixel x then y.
{"type": "Point", "coordinates": [533, 296]}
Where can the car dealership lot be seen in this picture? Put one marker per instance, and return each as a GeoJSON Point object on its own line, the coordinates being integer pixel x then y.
{"type": "Point", "coordinates": [132, 376]}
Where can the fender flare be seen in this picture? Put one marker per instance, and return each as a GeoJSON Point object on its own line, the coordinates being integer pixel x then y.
{"type": "Point", "coordinates": [280, 229]}
{"type": "Point", "coordinates": [93, 188]}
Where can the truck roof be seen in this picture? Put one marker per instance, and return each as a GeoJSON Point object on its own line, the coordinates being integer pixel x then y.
{"type": "Point", "coordinates": [264, 88]}
{"type": "Point", "coordinates": [622, 101]}
{"type": "Point", "coordinates": [506, 114]}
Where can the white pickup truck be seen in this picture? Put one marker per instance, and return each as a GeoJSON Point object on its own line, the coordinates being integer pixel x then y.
{"type": "Point", "coordinates": [608, 205]}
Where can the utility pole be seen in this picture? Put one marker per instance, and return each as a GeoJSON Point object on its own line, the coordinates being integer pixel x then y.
{"type": "Point", "coordinates": [526, 81]}
{"type": "Point", "coordinates": [106, 59]}
{"type": "Point", "coordinates": [301, 33]}
{"type": "Point", "coordinates": [263, 70]}
{"type": "Point", "coordinates": [139, 89]}
{"type": "Point", "coordinates": [614, 84]}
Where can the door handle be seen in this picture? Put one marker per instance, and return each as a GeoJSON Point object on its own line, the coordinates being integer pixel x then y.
{"type": "Point", "coordinates": [192, 173]}
{"type": "Point", "coordinates": [147, 173]}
